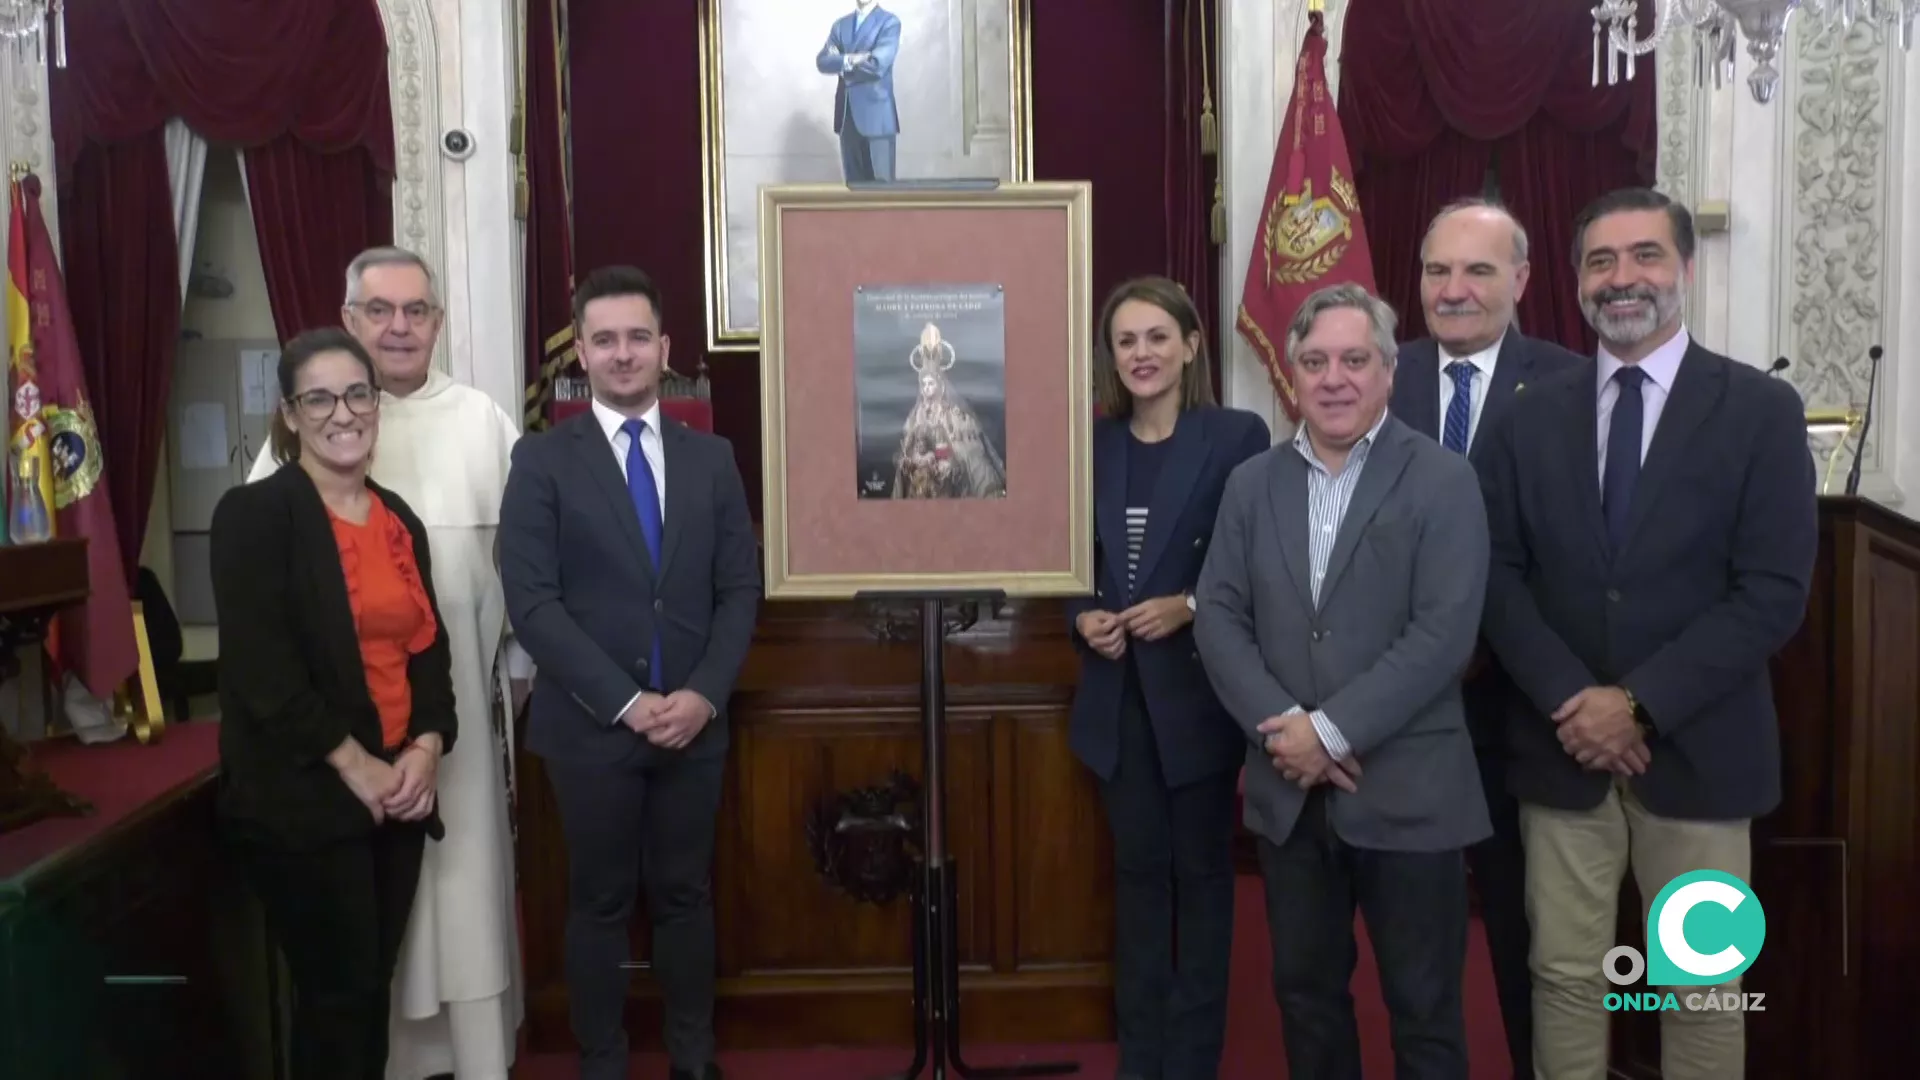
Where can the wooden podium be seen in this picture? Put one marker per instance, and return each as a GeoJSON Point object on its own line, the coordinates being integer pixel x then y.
{"type": "Point", "coordinates": [1838, 864]}
{"type": "Point", "coordinates": [36, 581]}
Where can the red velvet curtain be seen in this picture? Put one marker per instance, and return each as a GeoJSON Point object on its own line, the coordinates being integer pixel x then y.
{"type": "Point", "coordinates": [1100, 113]}
{"type": "Point", "coordinates": [305, 83]}
{"type": "Point", "coordinates": [1435, 93]}
{"type": "Point", "coordinates": [1189, 166]}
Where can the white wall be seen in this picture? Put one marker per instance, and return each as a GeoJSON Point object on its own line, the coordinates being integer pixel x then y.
{"type": "Point", "coordinates": [1824, 236]}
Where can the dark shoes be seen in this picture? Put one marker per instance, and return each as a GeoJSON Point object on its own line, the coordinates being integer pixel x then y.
{"type": "Point", "coordinates": [711, 1072]}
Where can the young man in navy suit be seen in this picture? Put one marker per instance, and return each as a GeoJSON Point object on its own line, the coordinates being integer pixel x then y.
{"type": "Point", "coordinates": [1473, 271]}
{"type": "Point", "coordinates": [1654, 532]}
{"type": "Point", "coordinates": [633, 580]}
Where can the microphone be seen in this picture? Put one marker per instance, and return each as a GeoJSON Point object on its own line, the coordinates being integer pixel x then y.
{"type": "Point", "coordinates": [1779, 366]}
{"type": "Point", "coordinates": [1866, 421]}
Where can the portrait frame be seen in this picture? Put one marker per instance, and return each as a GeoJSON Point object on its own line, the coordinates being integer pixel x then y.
{"type": "Point", "coordinates": [725, 327]}
{"type": "Point", "coordinates": [821, 245]}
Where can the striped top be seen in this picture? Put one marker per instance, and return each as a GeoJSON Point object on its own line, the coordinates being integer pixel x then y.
{"type": "Point", "coordinates": [1328, 496]}
{"type": "Point", "coordinates": [1143, 473]}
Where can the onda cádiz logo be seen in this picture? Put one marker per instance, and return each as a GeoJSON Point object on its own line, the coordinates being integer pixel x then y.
{"type": "Point", "coordinates": [1703, 929]}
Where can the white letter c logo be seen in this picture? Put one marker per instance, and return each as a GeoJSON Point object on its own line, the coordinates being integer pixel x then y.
{"type": "Point", "coordinates": [1673, 923]}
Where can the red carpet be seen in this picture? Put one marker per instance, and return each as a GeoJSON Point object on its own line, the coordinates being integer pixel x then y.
{"type": "Point", "coordinates": [1254, 1050]}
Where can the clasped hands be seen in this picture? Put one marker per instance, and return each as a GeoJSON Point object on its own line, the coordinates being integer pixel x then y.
{"type": "Point", "coordinates": [1148, 620]}
{"type": "Point", "coordinates": [1299, 756]}
{"type": "Point", "coordinates": [1598, 728]}
{"type": "Point", "coordinates": [669, 721]}
{"type": "Point", "coordinates": [403, 790]}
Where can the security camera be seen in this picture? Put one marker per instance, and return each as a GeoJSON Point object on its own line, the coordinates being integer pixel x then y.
{"type": "Point", "coordinates": [458, 143]}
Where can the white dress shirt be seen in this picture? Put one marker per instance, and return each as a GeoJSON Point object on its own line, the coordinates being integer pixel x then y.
{"type": "Point", "coordinates": [1661, 367]}
{"type": "Point", "coordinates": [1483, 363]}
{"type": "Point", "coordinates": [650, 444]}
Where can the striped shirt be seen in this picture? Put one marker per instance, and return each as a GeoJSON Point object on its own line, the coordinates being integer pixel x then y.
{"type": "Point", "coordinates": [1136, 539]}
{"type": "Point", "coordinates": [1328, 495]}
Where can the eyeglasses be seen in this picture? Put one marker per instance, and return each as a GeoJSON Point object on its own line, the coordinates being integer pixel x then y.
{"type": "Point", "coordinates": [318, 405]}
{"type": "Point", "coordinates": [382, 312]}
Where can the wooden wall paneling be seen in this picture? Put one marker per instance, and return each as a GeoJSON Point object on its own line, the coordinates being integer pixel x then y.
{"type": "Point", "coordinates": [1837, 865]}
{"type": "Point", "coordinates": [828, 703]}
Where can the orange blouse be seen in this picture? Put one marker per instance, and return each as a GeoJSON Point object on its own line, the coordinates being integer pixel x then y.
{"type": "Point", "coordinates": [391, 612]}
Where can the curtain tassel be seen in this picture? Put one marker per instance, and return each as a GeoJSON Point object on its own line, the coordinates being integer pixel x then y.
{"type": "Point", "coordinates": [1209, 127]}
{"type": "Point", "coordinates": [1219, 213]}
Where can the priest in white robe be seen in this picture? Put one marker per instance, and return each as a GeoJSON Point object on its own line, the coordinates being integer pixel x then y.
{"type": "Point", "coordinates": [445, 448]}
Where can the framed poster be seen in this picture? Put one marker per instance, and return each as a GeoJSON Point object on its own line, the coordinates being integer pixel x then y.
{"type": "Point", "coordinates": [847, 92]}
{"type": "Point", "coordinates": [925, 387]}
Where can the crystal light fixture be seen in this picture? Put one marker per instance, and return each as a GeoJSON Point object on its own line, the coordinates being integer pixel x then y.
{"type": "Point", "coordinates": [1616, 28]}
{"type": "Point", "coordinates": [26, 24]}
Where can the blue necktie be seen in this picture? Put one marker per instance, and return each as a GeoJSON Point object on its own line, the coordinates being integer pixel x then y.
{"type": "Point", "coordinates": [1453, 435]}
{"type": "Point", "coordinates": [646, 503]}
{"type": "Point", "coordinates": [1624, 434]}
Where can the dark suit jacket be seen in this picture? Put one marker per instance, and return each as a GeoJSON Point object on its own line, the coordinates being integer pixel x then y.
{"type": "Point", "coordinates": [586, 602]}
{"type": "Point", "coordinates": [1711, 582]}
{"type": "Point", "coordinates": [292, 685]}
{"type": "Point", "coordinates": [1195, 735]}
{"type": "Point", "coordinates": [866, 89]}
{"type": "Point", "coordinates": [1416, 402]}
{"type": "Point", "coordinates": [1379, 650]}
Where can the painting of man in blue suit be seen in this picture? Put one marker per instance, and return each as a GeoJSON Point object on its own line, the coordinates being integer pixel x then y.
{"type": "Point", "coordinates": [859, 53]}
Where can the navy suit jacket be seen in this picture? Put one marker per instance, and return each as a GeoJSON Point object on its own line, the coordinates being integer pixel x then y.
{"type": "Point", "coordinates": [586, 602]}
{"type": "Point", "coordinates": [1416, 402]}
{"type": "Point", "coordinates": [866, 89]}
{"type": "Point", "coordinates": [1195, 736]}
{"type": "Point", "coordinates": [1710, 583]}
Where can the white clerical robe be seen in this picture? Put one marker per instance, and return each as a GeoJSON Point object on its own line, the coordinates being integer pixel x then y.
{"type": "Point", "coordinates": [457, 993]}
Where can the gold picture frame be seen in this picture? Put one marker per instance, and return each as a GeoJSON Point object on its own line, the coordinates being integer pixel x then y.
{"type": "Point", "coordinates": [777, 89]}
{"type": "Point", "coordinates": [829, 251]}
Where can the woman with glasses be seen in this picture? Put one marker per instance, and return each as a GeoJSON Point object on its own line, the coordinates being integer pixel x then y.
{"type": "Point", "coordinates": [336, 701]}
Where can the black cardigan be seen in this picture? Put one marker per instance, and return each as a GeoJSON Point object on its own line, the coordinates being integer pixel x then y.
{"type": "Point", "coordinates": [292, 685]}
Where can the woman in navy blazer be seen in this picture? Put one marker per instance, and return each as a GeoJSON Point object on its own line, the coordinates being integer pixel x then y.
{"type": "Point", "coordinates": [1145, 719]}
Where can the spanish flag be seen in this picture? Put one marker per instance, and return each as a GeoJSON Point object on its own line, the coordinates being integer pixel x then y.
{"type": "Point", "coordinates": [1311, 235]}
{"type": "Point", "coordinates": [29, 486]}
{"type": "Point", "coordinates": [93, 640]}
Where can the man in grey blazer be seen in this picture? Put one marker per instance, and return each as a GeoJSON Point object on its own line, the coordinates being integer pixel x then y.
{"type": "Point", "coordinates": [1339, 603]}
{"type": "Point", "coordinates": [633, 579]}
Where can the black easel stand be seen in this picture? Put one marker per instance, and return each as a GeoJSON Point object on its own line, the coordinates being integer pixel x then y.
{"type": "Point", "coordinates": [936, 962]}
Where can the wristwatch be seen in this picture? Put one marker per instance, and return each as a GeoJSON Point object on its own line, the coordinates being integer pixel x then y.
{"type": "Point", "coordinates": [1193, 608]}
{"type": "Point", "coordinates": [1640, 718]}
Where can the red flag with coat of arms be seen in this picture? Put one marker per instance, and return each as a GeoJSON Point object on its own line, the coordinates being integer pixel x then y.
{"type": "Point", "coordinates": [1311, 235]}
{"type": "Point", "coordinates": [57, 442]}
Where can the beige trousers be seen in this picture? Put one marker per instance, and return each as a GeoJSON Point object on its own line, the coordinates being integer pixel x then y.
{"type": "Point", "coordinates": [1576, 861]}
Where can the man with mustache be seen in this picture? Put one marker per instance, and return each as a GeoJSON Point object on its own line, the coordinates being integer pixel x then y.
{"type": "Point", "coordinates": [1473, 271]}
{"type": "Point", "coordinates": [1653, 529]}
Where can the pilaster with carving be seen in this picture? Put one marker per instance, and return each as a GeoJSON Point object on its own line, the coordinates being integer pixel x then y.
{"type": "Point", "coordinates": [413, 66]}
{"type": "Point", "coordinates": [1681, 115]}
{"type": "Point", "coordinates": [1838, 254]}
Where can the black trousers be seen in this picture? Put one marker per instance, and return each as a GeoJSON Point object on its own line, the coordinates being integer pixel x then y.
{"type": "Point", "coordinates": [1499, 867]}
{"type": "Point", "coordinates": [1173, 909]}
{"type": "Point", "coordinates": [1415, 905]}
{"type": "Point", "coordinates": [629, 826]}
{"type": "Point", "coordinates": [339, 913]}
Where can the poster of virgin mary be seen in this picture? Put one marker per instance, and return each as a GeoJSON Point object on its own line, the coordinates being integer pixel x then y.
{"type": "Point", "coordinates": [930, 391]}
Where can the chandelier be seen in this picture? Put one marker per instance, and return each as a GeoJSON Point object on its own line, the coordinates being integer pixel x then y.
{"type": "Point", "coordinates": [1714, 24]}
{"type": "Point", "coordinates": [25, 24]}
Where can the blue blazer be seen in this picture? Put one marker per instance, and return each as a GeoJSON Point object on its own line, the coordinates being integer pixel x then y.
{"type": "Point", "coordinates": [1194, 734]}
{"type": "Point", "coordinates": [1711, 583]}
{"type": "Point", "coordinates": [866, 89]}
